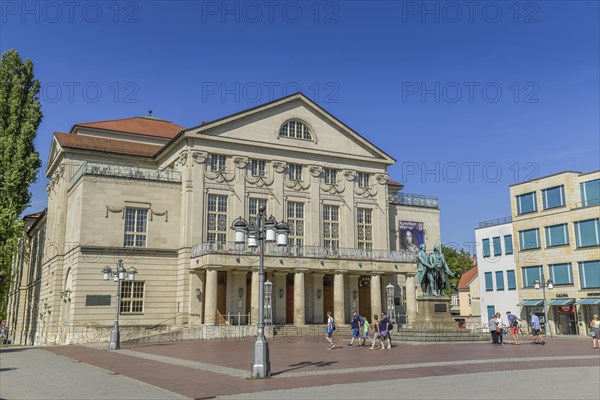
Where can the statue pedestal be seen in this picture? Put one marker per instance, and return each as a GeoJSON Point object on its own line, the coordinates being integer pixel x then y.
{"type": "Point", "coordinates": [433, 313]}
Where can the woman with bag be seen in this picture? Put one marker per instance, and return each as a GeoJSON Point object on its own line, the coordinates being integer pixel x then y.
{"type": "Point", "coordinates": [595, 331]}
{"type": "Point", "coordinates": [494, 330]}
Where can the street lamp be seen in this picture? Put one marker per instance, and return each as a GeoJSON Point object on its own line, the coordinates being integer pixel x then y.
{"type": "Point", "coordinates": [268, 230]}
{"type": "Point", "coordinates": [390, 302]}
{"type": "Point", "coordinates": [118, 275]}
{"type": "Point", "coordinates": [543, 284]}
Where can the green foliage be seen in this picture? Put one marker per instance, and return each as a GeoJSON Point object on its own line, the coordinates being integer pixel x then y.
{"type": "Point", "coordinates": [20, 117]}
{"type": "Point", "coordinates": [459, 263]}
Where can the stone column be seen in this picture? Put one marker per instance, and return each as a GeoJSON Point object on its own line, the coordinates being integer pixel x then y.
{"type": "Point", "coordinates": [299, 312]}
{"type": "Point", "coordinates": [279, 302]}
{"type": "Point", "coordinates": [353, 287]}
{"type": "Point", "coordinates": [411, 298]}
{"type": "Point", "coordinates": [318, 308]}
{"type": "Point", "coordinates": [376, 294]}
{"type": "Point", "coordinates": [254, 298]}
{"type": "Point", "coordinates": [339, 308]}
{"type": "Point", "coordinates": [196, 302]}
{"type": "Point", "coordinates": [210, 297]}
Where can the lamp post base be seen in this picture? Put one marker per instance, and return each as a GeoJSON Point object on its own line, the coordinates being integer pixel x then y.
{"type": "Point", "coordinates": [261, 366]}
{"type": "Point", "coordinates": [115, 343]}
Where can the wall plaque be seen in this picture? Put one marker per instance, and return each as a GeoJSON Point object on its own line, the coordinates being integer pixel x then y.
{"type": "Point", "coordinates": [440, 307]}
{"type": "Point", "coordinates": [97, 300]}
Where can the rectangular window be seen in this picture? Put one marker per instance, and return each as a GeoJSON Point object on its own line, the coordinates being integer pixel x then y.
{"type": "Point", "coordinates": [489, 285]}
{"type": "Point", "coordinates": [530, 274]}
{"type": "Point", "coordinates": [136, 224]}
{"type": "Point", "coordinates": [590, 193]}
{"type": "Point", "coordinates": [561, 274]}
{"type": "Point", "coordinates": [497, 247]}
{"type": "Point", "coordinates": [557, 235]}
{"type": "Point", "coordinates": [589, 274]}
{"type": "Point", "coordinates": [295, 219]}
{"type": "Point", "coordinates": [499, 280]}
{"type": "Point", "coordinates": [486, 247]}
{"type": "Point", "coordinates": [363, 180]}
{"type": "Point", "coordinates": [257, 167]}
{"type": "Point", "coordinates": [253, 207]}
{"type": "Point", "coordinates": [132, 297]}
{"type": "Point", "coordinates": [553, 197]}
{"type": "Point", "coordinates": [529, 239]}
{"type": "Point", "coordinates": [331, 227]}
{"type": "Point", "coordinates": [217, 218]}
{"type": "Point", "coordinates": [216, 162]}
{"type": "Point", "coordinates": [511, 280]}
{"type": "Point", "coordinates": [365, 228]}
{"type": "Point", "coordinates": [526, 203]}
{"type": "Point", "coordinates": [295, 172]}
{"type": "Point", "coordinates": [508, 244]}
{"type": "Point", "coordinates": [491, 311]}
{"type": "Point", "coordinates": [586, 232]}
{"type": "Point", "coordinates": [329, 176]}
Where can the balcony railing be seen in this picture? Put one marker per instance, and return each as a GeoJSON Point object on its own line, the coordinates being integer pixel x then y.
{"type": "Point", "coordinates": [417, 200]}
{"type": "Point", "coordinates": [314, 252]}
{"type": "Point", "coordinates": [493, 222]}
{"type": "Point", "coordinates": [127, 171]}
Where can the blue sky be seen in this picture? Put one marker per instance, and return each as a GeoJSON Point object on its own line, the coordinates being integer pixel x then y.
{"type": "Point", "coordinates": [467, 99]}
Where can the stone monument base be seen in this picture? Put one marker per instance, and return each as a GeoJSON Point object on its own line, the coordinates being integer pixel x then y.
{"type": "Point", "coordinates": [433, 313]}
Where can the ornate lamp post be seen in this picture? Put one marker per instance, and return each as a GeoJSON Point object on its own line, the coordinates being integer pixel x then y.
{"type": "Point", "coordinates": [270, 231]}
{"type": "Point", "coordinates": [390, 302]}
{"type": "Point", "coordinates": [543, 284]}
{"type": "Point", "coordinates": [119, 275]}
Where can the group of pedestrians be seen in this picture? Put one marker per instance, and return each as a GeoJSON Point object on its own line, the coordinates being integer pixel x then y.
{"type": "Point", "coordinates": [497, 328]}
{"type": "Point", "coordinates": [362, 331]}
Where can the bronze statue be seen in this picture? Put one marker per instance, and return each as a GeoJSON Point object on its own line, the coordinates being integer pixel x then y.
{"type": "Point", "coordinates": [432, 271]}
{"type": "Point", "coordinates": [441, 269]}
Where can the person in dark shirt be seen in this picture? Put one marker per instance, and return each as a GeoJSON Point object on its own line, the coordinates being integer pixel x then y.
{"type": "Point", "coordinates": [385, 332]}
{"type": "Point", "coordinates": [355, 325]}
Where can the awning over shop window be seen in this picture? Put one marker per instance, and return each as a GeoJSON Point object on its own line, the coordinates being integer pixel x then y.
{"type": "Point", "coordinates": [588, 302]}
{"type": "Point", "coordinates": [531, 303]}
{"type": "Point", "coordinates": [561, 302]}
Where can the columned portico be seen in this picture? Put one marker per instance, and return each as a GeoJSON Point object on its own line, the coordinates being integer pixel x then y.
{"type": "Point", "coordinates": [353, 291]}
{"type": "Point", "coordinates": [376, 293]}
{"type": "Point", "coordinates": [339, 307]}
{"type": "Point", "coordinates": [210, 299]}
{"type": "Point", "coordinates": [279, 296]}
{"type": "Point", "coordinates": [318, 316]}
{"type": "Point", "coordinates": [411, 298]}
{"type": "Point", "coordinates": [299, 313]}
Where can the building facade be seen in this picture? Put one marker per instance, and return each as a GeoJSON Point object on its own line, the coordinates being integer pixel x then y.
{"type": "Point", "coordinates": [469, 296]}
{"type": "Point", "coordinates": [163, 198]}
{"type": "Point", "coordinates": [497, 272]}
{"type": "Point", "coordinates": [556, 234]}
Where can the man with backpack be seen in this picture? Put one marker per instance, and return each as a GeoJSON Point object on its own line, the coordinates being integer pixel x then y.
{"type": "Point", "coordinates": [513, 323]}
{"type": "Point", "coordinates": [355, 325]}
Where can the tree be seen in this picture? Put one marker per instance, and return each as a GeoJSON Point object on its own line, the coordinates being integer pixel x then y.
{"type": "Point", "coordinates": [20, 117]}
{"type": "Point", "coordinates": [459, 262]}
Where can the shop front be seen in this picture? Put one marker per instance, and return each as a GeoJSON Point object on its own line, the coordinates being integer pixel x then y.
{"type": "Point", "coordinates": [586, 308]}
{"type": "Point", "coordinates": [535, 306]}
{"type": "Point", "coordinates": [562, 312]}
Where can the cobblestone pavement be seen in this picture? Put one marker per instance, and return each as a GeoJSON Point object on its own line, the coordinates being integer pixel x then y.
{"type": "Point", "coordinates": [203, 369]}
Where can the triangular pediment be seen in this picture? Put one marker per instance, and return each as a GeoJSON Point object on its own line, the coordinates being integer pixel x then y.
{"type": "Point", "coordinates": [260, 127]}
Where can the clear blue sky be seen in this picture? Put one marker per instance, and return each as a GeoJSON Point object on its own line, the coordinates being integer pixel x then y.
{"type": "Point", "coordinates": [481, 97]}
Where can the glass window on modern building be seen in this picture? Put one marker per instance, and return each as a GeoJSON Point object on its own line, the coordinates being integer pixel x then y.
{"type": "Point", "coordinates": [529, 239]}
{"type": "Point", "coordinates": [257, 167]}
{"type": "Point", "coordinates": [530, 274]}
{"type": "Point", "coordinates": [331, 227]}
{"type": "Point", "coordinates": [589, 274]}
{"type": "Point", "coordinates": [294, 172]}
{"type": "Point", "coordinates": [586, 233]}
{"type": "Point", "coordinates": [489, 284]}
{"type": "Point", "coordinates": [486, 247]}
{"type": "Point", "coordinates": [491, 310]}
{"type": "Point", "coordinates": [590, 193]}
{"type": "Point", "coordinates": [526, 203]}
{"type": "Point", "coordinates": [365, 228]}
{"type": "Point", "coordinates": [499, 280]}
{"type": "Point", "coordinates": [508, 244]}
{"type": "Point", "coordinates": [217, 218]}
{"type": "Point", "coordinates": [557, 235]}
{"type": "Point", "coordinates": [497, 246]}
{"type": "Point", "coordinates": [132, 297]}
{"type": "Point", "coordinates": [136, 224]}
{"type": "Point", "coordinates": [216, 163]}
{"type": "Point", "coordinates": [561, 274]}
{"type": "Point", "coordinates": [553, 197]}
{"type": "Point", "coordinates": [511, 281]}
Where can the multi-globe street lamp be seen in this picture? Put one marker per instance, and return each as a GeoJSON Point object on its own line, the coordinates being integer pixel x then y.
{"type": "Point", "coordinates": [118, 275]}
{"type": "Point", "coordinates": [543, 284]}
{"type": "Point", "coordinates": [269, 231]}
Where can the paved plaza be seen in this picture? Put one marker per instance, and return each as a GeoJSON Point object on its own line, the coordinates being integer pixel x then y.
{"type": "Point", "coordinates": [302, 368]}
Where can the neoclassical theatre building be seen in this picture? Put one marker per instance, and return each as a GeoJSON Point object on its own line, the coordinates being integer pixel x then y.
{"type": "Point", "coordinates": [162, 198]}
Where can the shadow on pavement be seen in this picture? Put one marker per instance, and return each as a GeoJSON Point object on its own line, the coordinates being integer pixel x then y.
{"type": "Point", "coordinates": [303, 364]}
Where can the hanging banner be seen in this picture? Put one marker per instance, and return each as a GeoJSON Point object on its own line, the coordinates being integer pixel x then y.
{"type": "Point", "coordinates": [411, 235]}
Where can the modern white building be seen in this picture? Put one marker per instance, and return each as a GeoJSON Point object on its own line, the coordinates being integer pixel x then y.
{"type": "Point", "coordinates": [497, 270]}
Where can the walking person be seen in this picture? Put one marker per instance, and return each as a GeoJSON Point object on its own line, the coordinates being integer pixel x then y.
{"type": "Point", "coordinates": [376, 332]}
{"type": "Point", "coordinates": [355, 325]}
{"type": "Point", "coordinates": [329, 330]}
{"type": "Point", "coordinates": [366, 331]}
{"type": "Point", "coordinates": [595, 331]}
{"type": "Point", "coordinates": [501, 326]}
{"type": "Point", "coordinates": [494, 330]}
{"type": "Point", "coordinates": [535, 329]}
{"type": "Point", "coordinates": [513, 323]}
{"type": "Point", "coordinates": [384, 328]}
